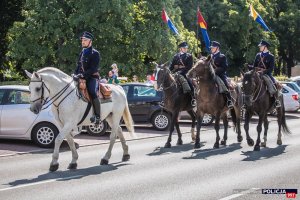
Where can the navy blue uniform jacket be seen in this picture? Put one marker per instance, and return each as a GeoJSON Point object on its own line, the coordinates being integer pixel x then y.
{"type": "Point", "coordinates": [88, 63]}
{"type": "Point", "coordinates": [265, 61]}
{"type": "Point", "coordinates": [182, 59]}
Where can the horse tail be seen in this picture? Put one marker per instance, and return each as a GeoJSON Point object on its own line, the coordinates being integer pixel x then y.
{"type": "Point", "coordinates": [285, 128]}
{"type": "Point", "coordinates": [128, 121]}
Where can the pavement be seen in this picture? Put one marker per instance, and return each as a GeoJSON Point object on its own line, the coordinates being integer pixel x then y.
{"type": "Point", "coordinates": [234, 171]}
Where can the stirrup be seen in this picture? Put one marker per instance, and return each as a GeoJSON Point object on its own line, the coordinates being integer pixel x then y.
{"type": "Point", "coordinates": [161, 104]}
{"type": "Point", "coordinates": [229, 104]}
{"type": "Point", "coordinates": [277, 104]}
{"type": "Point", "coordinates": [96, 120]}
{"type": "Point", "coordinates": [194, 103]}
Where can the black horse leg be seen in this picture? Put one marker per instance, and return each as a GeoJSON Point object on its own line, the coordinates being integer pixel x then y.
{"type": "Point", "coordinates": [179, 141]}
{"type": "Point", "coordinates": [217, 128]}
{"type": "Point", "coordinates": [173, 120]}
{"type": "Point", "coordinates": [259, 128]}
{"type": "Point", "coordinates": [248, 116]}
{"type": "Point", "coordinates": [199, 123]}
{"type": "Point", "coordinates": [238, 124]}
{"type": "Point", "coordinates": [225, 122]}
{"type": "Point", "coordinates": [193, 117]}
{"type": "Point", "coordinates": [280, 113]}
{"type": "Point", "coordinates": [266, 127]}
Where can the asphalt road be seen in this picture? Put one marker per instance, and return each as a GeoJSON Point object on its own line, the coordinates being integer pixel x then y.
{"type": "Point", "coordinates": [231, 172]}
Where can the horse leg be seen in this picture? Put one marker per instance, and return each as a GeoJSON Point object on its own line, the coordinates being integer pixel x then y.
{"type": "Point", "coordinates": [70, 140]}
{"type": "Point", "coordinates": [59, 139]}
{"type": "Point", "coordinates": [193, 117]}
{"type": "Point", "coordinates": [259, 128]}
{"type": "Point", "coordinates": [173, 121]}
{"type": "Point", "coordinates": [266, 127]}
{"type": "Point", "coordinates": [126, 155]}
{"type": "Point", "coordinates": [225, 122]}
{"type": "Point", "coordinates": [179, 141]}
{"type": "Point", "coordinates": [238, 124]}
{"type": "Point", "coordinates": [279, 122]}
{"type": "Point", "coordinates": [217, 128]}
{"type": "Point", "coordinates": [114, 124]}
{"type": "Point", "coordinates": [199, 123]}
{"type": "Point", "coordinates": [248, 116]}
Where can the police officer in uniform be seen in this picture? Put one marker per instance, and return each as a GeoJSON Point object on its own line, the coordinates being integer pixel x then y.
{"type": "Point", "coordinates": [87, 68]}
{"type": "Point", "coordinates": [221, 66]}
{"type": "Point", "coordinates": [265, 63]}
{"type": "Point", "coordinates": [182, 62]}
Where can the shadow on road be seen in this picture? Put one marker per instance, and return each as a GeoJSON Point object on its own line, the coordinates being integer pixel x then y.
{"type": "Point", "coordinates": [174, 149]}
{"type": "Point", "coordinates": [205, 153]}
{"type": "Point", "coordinates": [264, 153]}
{"type": "Point", "coordinates": [69, 174]}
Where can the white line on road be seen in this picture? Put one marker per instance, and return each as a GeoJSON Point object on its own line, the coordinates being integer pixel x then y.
{"type": "Point", "coordinates": [40, 182]}
{"type": "Point", "coordinates": [233, 196]}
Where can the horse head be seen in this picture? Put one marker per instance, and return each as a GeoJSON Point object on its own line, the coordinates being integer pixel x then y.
{"type": "Point", "coordinates": [202, 69]}
{"type": "Point", "coordinates": [162, 73]}
{"type": "Point", "coordinates": [39, 92]}
{"type": "Point", "coordinates": [251, 84]}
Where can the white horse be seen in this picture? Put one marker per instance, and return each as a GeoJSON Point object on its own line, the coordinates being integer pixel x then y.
{"type": "Point", "coordinates": [51, 84]}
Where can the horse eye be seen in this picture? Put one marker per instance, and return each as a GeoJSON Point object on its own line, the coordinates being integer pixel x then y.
{"type": "Point", "coordinates": [37, 89]}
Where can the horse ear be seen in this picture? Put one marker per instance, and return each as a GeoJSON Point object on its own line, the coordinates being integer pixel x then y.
{"type": "Point", "coordinates": [208, 58]}
{"type": "Point", "coordinates": [36, 75]}
{"type": "Point", "coordinates": [28, 74]}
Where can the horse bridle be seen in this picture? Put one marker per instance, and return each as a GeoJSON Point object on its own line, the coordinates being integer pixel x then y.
{"type": "Point", "coordinates": [253, 93]}
{"type": "Point", "coordinates": [161, 88]}
{"type": "Point", "coordinates": [45, 101]}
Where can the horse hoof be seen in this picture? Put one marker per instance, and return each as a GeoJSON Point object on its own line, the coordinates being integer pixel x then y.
{"type": "Point", "coordinates": [54, 167]}
{"type": "Point", "coordinates": [168, 145]}
{"type": "Point", "coordinates": [250, 142]}
{"type": "Point", "coordinates": [279, 142]}
{"type": "Point", "coordinates": [197, 146]}
{"type": "Point", "coordinates": [216, 146]}
{"type": "Point", "coordinates": [223, 142]}
{"type": "Point", "coordinates": [72, 166]}
{"type": "Point", "coordinates": [239, 138]}
{"type": "Point", "coordinates": [257, 148]}
{"type": "Point", "coordinates": [104, 162]}
{"type": "Point", "coordinates": [193, 139]}
{"type": "Point", "coordinates": [125, 158]}
{"type": "Point", "coordinates": [263, 144]}
{"type": "Point", "coordinates": [179, 142]}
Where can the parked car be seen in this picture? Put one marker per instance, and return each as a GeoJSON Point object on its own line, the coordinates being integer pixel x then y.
{"type": "Point", "coordinates": [290, 98]}
{"type": "Point", "coordinates": [296, 79]}
{"type": "Point", "coordinates": [18, 122]}
{"type": "Point", "coordinates": [294, 86]}
{"type": "Point", "coordinates": [143, 101]}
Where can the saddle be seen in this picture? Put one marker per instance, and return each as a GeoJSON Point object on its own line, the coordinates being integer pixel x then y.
{"type": "Point", "coordinates": [222, 87]}
{"type": "Point", "coordinates": [104, 92]}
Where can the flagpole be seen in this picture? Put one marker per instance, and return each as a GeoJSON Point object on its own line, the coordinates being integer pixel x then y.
{"type": "Point", "coordinates": [197, 36]}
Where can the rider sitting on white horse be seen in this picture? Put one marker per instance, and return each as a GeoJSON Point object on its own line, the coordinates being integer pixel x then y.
{"type": "Point", "coordinates": [87, 68]}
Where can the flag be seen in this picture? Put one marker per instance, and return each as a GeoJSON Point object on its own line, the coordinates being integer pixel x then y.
{"type": "Point", "coordinates": [167, 20]}
{"type": "Point", "coordinates": [256, 17]}
{"type": "Point", "coordinates": [203, 27]}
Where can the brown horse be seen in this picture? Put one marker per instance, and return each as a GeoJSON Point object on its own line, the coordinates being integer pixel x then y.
{"type": "Point", "coordinates": [174, 101]}
{"type": "Point", "coordinates": [257, 100]}
{"type": "Point", "coordinates": [210, 101]}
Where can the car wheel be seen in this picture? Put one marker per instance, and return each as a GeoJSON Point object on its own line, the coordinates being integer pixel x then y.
{"type": "Point", "coordinates": [44, 134]}
{"type": "Point", "coordinates": [97, 130]}
{"type": "Point", "coordinates": [161, 120]}
{"type": "Point", "coordinates": [207, 120]}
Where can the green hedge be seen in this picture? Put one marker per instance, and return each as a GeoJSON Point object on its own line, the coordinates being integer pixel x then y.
{"type": "Point", "coordinates": [15, 82]}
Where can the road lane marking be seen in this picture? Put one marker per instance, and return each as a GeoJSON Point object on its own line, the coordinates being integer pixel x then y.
{"type": "Point", "coordinates": [40, 182]}
{"type": "Point", "coordinates": [233, 196]}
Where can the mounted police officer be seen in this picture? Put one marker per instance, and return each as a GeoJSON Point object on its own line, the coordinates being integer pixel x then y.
{"type": "Point", "coordinates": [265, 63]}
{"type": "Point", "coordinates": [221, 66]}
{"type": "Point", "coordinates": [87, 68]}
{"type": "Point", "coordinates": [182, 62]}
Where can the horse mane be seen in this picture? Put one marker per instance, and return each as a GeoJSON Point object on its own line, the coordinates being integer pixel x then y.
{"type": "Point", "coordinates": [54, 71]}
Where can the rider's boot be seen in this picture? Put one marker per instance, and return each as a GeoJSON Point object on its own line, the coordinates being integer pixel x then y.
{"type": "Point", "coordinates": [277, 100]}
{"type": "Point", "coordinates": [96, 118]}
{"type": "Point", "coordinates": [193, 102]}
{"type": "Point", "coordinates": [229, 100]}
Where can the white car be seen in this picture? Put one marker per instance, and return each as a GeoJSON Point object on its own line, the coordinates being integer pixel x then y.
{"type": "Point", "coordinates": [18, 122]}
{"type": "Point", "coordinates": [290, 98]}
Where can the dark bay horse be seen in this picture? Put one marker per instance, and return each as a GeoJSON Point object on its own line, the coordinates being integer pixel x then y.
{"type": "Point", "coordinates": [210, 101]}
{"type": "Point", "coordinates": [258, 101]}
{"type": "Point", "coordinates": [174, 101]}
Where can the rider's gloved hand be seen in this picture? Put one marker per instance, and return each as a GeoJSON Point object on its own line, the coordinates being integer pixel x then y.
{"type": "Point", "coordinates": [77, 77]}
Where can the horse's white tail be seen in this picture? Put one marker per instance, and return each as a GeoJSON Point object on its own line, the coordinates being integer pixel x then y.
{"type": "Point", "coordinates": [128, 121]}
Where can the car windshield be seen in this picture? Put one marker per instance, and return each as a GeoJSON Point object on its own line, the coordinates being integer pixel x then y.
{"type": "Point", "coordinates": [296, 87]}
